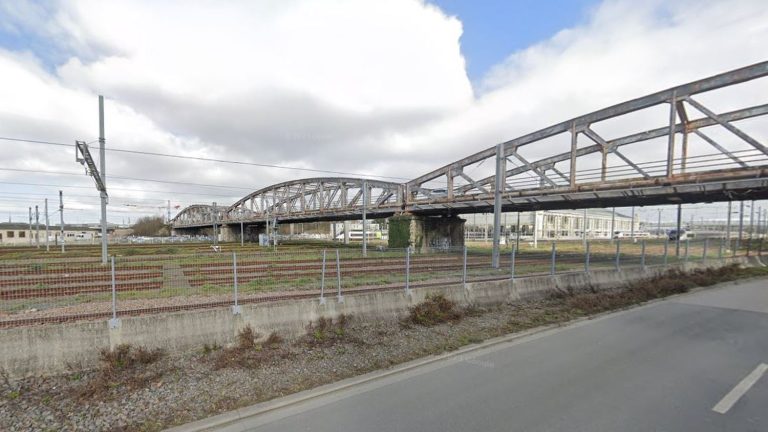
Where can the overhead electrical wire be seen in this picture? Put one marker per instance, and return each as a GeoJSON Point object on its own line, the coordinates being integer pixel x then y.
{"type": "Point", "coordinates": [200, 158]}
{"type": "Point", "coordinates": [114, 189]}
{"type": "Point", "coordinates": [38, 171]}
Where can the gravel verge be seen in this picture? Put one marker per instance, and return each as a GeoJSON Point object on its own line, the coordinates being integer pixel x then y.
{"type": "Point", "coordinates": [180, 387]}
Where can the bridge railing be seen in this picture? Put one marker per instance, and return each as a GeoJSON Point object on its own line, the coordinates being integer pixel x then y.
{"type": "Point", "coordinates": [59, 290]}
{"type": "Point", "coordinates": [614, 143]}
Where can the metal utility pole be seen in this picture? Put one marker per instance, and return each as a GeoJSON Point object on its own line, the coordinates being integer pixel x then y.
{"type": "Point", "coordinates": [169, 213]}
{"type": "Point", "coordinates": [517, 232]}
{"type": "Point", "coordinates": [751, 219]}
{"type": "Point", "coordinates": [103, 175]}
{"type": "Point", "coordinates": [728, 227]}
{"type": "Point", "coordinates": [98, 174]}
{"type": "Point", "coordinates": [759, 222]}
{"type": "Point", "coordinates": [497, 190]}
{"type": "Point", "coordinates": [584, 229]}
{"type": "Point", "coordinates": [47, 231]}
{"type": "Point", "coordinates": [632, 225]}
{"type": "Point", "coordinates": [266, 223]}
{"type": "Point", "coordinates": [365, 206]}
{"type": "Point", "coordinates": [30, 226]}
{"type": "Point", "coordinates": [613, 223]}
{"type": "Point", "coordinates": [658, 224]}
{"type": "Point", "coordinates": [61, 219]}
{"type": "Point", "coordinates": [37, 228]}
{"type": "Point", "coordinates": [215, 230]}
{"type": "Point", "coordinates": [677, 235]}
{"type": "Point", "coordinates": [741, 225]}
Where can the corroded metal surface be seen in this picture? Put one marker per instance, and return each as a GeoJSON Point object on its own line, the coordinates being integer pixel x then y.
{"type": "Point", "coordinates": [508, 177]}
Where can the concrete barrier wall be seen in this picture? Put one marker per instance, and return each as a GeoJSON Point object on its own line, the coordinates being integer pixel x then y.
{"type": "Point", "coordinates": [57, 348]}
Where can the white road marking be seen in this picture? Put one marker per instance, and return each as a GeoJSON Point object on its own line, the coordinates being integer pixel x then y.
{"type": "Point", "coordinates": [737, 392]}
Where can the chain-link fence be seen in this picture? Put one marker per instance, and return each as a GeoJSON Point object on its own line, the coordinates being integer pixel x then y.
{"type": "Point", "coordinates": [57, 290]}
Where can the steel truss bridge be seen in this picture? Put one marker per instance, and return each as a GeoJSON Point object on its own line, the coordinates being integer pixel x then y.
{"type": "Point", "coordinates": [598, 159]}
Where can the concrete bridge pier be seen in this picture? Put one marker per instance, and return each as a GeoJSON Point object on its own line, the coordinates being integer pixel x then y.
{"type": "Point", "coordinates": [346, 232]}
{"type": "Point", "coordinates": [190, 231]}
{"type": "Point", "coordinates": [423, 232]}
{"type": "Point", "coordinates": [231, 233]}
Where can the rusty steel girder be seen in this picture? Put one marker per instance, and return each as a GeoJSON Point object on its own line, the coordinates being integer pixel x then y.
{"type": "Point", "coordinates": [555, 181]}
{"type": "Point", "coordinates": [680, 102]}
{"type": "Point", "coordinates": [324, 198]}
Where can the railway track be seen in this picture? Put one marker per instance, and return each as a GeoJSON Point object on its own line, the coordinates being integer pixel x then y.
{"type": "Point", "coordinates": [19, 322]}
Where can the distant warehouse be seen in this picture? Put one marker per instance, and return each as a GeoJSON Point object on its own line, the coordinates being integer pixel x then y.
{"type": "Point", "coordinates": [553, 224]}
{"type": "Point", "coordinates": [19, 234]}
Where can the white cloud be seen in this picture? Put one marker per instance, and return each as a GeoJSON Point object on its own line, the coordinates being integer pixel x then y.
{"type": "Point", "coordinates": [626, 50]}
{"type": "Point", "coordinates": [360, 86]}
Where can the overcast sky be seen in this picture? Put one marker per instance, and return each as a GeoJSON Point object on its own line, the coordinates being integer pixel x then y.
{"type": "Point", "coordinates": [380, 88]}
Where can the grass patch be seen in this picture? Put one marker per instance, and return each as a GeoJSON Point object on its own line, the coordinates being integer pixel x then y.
{"type": "Point", "coordinates": [327, 332]}
{"type": "Point", "coordinates": [207, 349]}
{"type": "Point", "coordinates": [247, 353]}
{"type": "Point", "coordinates": [435, 309]}
{"type": "Point", "coordinates": [124, 367]}
{"type": "Point", "coordinates": [167, 251]}
{"type": "Point", "coordinates": [674, 282]}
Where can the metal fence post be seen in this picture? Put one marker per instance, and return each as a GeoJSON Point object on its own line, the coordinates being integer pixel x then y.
{"type": "Point", "coordinates": [408, 270]}
{"type": "Point", "coordinates": [666, 252]}
{"type": "Point", "coordinates": [554, 253]}
{"type": "Point", "coordinates": [687, 243]}
{"type": "Point", "coordinates": [586, 258]}
{"type": "Point", "coordinates": [618, 255]}
{"type": "Point", "coordinates": [642, 255]}
{"type": "Point", "coordinates": [114, 322]}
{"type": "Point", "coordinates": [512, 264]}
{"type": "Point", "coordinates": [720, 250]}
{"type": "Point", "coordinates": [236, 307]}
{"type": "Point", "coordinates": [704, 253]}
{"type": "Point", "coordinates": [322, 281]}
{"type": "Point", "coordinates": [338, 277]}
{"type": "Point", "coordinates": [464, 268]}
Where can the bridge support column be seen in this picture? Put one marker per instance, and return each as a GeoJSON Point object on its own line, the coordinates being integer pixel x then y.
{"type": "Point", "coordinates": [250, 232]}
{"type": "Point", "coordinates": [189, 231]}
{"type": "Point", "coordinates": [227, 233]}
{"type": "Point", "coordinates": [346, 232]}
{"type": "Point", "coordinates": [422, 232]}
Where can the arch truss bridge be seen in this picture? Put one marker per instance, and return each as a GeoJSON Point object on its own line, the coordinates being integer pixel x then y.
{"type": "Point", "coordinates": [690, 143]}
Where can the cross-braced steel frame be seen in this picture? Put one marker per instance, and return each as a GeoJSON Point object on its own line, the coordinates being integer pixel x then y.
{"type": "Point", "coordinates": [198, 215]}
{"type": "Point", "coordinates": [550, 185]}
{"type": "Point", "coordinates": [547, 175]}
{"type": "Point", "coordinates": [567, 179]}
{"type": "Point", "coordinates": [326, 198]}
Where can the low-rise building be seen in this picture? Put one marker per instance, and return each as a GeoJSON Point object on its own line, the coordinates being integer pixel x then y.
{"type": "Point", "coordinates": [553, 224]}
{"type": "Point", "coordinates": [19, 234]}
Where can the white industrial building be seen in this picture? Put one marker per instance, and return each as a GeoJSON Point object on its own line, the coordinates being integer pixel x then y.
{"type": "Point", "coordinates": [19, 234]}
{"type": "Point", "coordinates": [553, 224]}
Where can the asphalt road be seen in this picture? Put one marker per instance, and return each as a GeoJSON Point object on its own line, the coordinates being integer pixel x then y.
{"type": "Point", "coordinates": [661, 367]}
